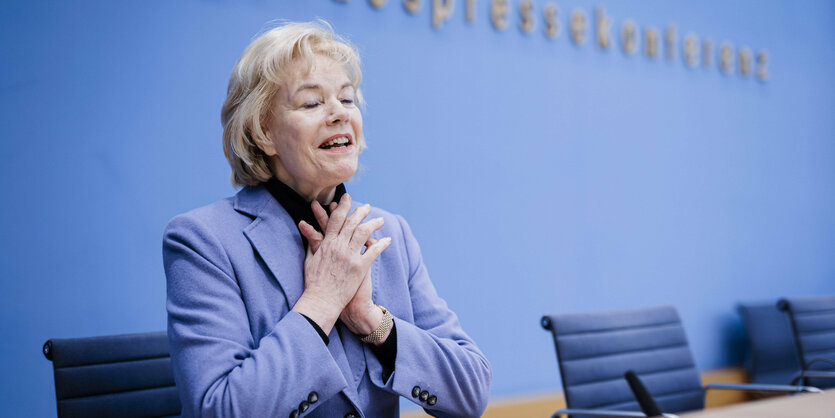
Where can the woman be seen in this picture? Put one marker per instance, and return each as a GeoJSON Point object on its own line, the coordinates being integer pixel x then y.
{"type": "Point", "coordinates": [283, 300]}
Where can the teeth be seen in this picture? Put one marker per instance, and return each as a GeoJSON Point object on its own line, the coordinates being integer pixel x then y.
{"type": "Point", "coordinates": [336, 141]}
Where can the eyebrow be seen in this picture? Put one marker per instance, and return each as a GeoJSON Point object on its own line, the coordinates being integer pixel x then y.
{"type": "Point", "coordinates": [317, 87]}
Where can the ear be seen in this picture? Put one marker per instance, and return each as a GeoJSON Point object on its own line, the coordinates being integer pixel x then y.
{"type": "Point", "coordinates": [266, 144]}
{"type": "Point", "coordinates": [268, 147]}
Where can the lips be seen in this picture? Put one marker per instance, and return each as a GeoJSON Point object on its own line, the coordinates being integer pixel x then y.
{"type": "Point", "coordinates": [337, 141]}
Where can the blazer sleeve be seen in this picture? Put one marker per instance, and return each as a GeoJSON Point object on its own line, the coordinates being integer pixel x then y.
{"type": "Point", "coordinates": [219, 368]}
{"type": "Point", "coordinates": [433, 353]}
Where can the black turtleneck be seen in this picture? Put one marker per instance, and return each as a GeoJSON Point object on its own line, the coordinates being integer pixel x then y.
{"type": "Point", "coordinates": [299, 209]}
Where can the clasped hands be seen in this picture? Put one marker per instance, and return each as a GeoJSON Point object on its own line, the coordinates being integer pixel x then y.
{"type": "Point", "coordinates": [337, 272]}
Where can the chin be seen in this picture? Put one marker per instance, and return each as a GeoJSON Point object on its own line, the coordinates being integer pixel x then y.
{"type": "Point", "coordinates": [346, 171]}
{"type": "Point", "coordinates": [341, 176]}
{"type": "Point", "coordinates": [348, 175]}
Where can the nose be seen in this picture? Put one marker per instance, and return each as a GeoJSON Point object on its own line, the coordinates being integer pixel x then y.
{"type": "Point", "coordinates": [337, 113]}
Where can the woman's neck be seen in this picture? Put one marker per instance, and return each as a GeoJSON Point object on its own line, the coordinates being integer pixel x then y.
{"type": "Point", "coordinates": [325, 197]}
{"type": "Point", "coordinates": [324, 194]}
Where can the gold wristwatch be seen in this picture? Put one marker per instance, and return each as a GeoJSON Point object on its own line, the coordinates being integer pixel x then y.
{"type": "Point", "coordinates": [382, 329]}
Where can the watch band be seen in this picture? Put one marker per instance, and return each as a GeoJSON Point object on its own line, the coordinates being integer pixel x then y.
{"type": "Point", "coordinates": [382, 329]}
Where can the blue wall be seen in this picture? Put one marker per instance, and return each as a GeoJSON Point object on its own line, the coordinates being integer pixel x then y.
{"type": "Point", "coordinates": [539, 176]}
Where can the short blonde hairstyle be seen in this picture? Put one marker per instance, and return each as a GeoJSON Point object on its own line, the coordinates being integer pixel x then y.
{"type": "Point", "coordinates": [255, 80]}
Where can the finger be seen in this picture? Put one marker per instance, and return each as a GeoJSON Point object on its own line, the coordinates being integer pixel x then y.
{"type": "Point", "coordinates": [375, 250]}
{"type": "Point", "coordinates": [333, 206]}
{"type": "Point", "coordinates": [354, 221]}
{"type": "Point", "coordinates": [310, 232]}
{"type": "Point", "coordinates": [371, 241]}
{"type": "Point", "coordinates": [337, 218]}
{"type": "Point", "coordinates": [320, 214]}
{"type": "Point", "coordinates": [364, 231]}
{"type": "Point", "coordinates": [314, 237]}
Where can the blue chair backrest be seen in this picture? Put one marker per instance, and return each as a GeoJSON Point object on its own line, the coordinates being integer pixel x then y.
{"type": "Point", "coordinates": [773, 355]}
{"type": "Point", "coordinates": [813, 321]}
{"type": "Point", "coordinates": [113, 376]}
{"type": "Point", "coordinates": [594, 350]}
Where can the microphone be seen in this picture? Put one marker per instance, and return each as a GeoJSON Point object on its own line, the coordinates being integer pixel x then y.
{"type": "Point", "coordinates": [648, 405]}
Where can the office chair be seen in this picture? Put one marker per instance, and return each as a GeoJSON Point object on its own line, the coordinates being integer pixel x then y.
{"type": "Point", "coordinates": [772, 356]}
{"type": "Point", "coordinates": [813, 324]}
{"type": "Point", "coordinates": [594, 350]}
{"type": "Point", "coordinates": [113, 376]}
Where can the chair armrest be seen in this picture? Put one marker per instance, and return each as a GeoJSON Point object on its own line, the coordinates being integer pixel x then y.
{"type": "Point", "coordinates": [818, 374]}
{"type": "Point", "coordinates": [763, 388]}
{"type": "Point", "coordinates": [604, 413]}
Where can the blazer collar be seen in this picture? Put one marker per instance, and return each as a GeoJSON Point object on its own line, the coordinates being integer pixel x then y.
{"type": "Point", "coordinates": [251, 200]}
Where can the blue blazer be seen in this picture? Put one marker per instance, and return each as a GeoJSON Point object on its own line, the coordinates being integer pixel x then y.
{"type": "Point", "coordinates": [235, 270]}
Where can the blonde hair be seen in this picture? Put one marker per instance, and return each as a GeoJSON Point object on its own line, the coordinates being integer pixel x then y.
{"type": "Point", "coordinates": [255, 80]}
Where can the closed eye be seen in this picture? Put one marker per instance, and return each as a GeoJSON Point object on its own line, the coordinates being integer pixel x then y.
{"type": "Point", "coordinates": [310, 105]}
{"type": "Point", "coordinates": [347, 101]}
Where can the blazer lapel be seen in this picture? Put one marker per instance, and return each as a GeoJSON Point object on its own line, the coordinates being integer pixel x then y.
{"type": "Point", "coordinates": [275, 238]}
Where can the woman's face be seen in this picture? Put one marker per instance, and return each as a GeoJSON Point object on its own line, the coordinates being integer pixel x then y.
{"type": "Point", "coordinates": [315, 128]}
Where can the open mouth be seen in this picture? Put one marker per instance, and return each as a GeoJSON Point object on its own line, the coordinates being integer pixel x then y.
{"type": "Point", "coordinates": [337, 141]}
